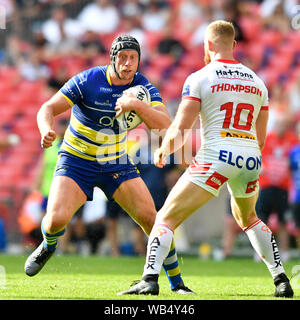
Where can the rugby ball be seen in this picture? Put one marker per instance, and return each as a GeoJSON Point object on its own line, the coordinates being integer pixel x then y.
{"type": "Point", "coordinates": [129, 120]}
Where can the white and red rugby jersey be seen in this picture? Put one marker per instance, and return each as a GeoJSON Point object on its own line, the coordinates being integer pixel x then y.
{"type": "Point", "coordinates": [231, 97]}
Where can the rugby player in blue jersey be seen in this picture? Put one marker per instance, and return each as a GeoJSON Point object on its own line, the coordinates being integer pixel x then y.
{"type": "Point", "coordinates": [94, 151]}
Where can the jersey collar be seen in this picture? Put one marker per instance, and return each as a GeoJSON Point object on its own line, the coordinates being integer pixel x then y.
{"type": "Point", "coordinates": [108, 75]}
{"type": "Point", "coordinates": [228, 61]}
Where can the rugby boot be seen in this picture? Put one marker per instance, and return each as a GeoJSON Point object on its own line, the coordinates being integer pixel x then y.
{"type": "Point", "coordinates": [142, 287]}
{"type": "Point", "coordinates": [36, 261]}
{"type": "Point", "coordinates": [283, 287]}
{"type": "Point", "coordinates": [182, 289]}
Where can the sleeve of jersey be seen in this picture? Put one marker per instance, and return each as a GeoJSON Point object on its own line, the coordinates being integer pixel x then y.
{"type": "Point", "coordinates": [156, 99]}
{"type": "Point", "coordinates": [265, 101]}
{"type": "Point", "coordinates": [73, 89]}
{"type": "Point", "coordinates": [191, 89]}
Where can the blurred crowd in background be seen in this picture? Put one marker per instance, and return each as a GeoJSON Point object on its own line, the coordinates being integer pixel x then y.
{"type": "Point", "coordinates": [45, 42]}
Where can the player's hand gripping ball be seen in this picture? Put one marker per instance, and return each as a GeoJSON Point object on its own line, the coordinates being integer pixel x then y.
{"type": "Point", "coordinates": [129, 120]}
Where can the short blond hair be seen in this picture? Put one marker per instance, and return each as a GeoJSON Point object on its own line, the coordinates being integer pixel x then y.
{"type": "Point", "coordinates": [220, 32]}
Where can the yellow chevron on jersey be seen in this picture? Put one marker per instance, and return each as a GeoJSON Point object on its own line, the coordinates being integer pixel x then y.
{"type": "Point", "coordinates": [83, 155]}
{"type": "Point", "coordinates": [92, 149]}
{"type": "Point", "coordinates": [94, 135]}
{"type": "Point", "coordinates": [75, 152]}
{"type": "Point", "coordinates": [101, 145]}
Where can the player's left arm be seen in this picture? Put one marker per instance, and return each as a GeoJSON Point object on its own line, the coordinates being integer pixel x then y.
{"type": "Point", "coordinates": [262, 119]}
{"type": "Point", "coordinates": [156, 117]}
{"type": "Point", "coordinates": [261, 127]}
{"type": "Point", "coordinates": [179, 130]}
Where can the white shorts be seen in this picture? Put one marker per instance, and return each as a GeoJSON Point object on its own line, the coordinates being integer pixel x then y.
{"type": "Point", "coordinates": [237, 166]}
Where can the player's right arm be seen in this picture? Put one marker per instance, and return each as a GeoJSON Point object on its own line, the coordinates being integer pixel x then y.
{"type": "Point", "coordinates": [176, 135]}
{"type": "Point", "coordinates": [71, 93]}
{"type": "Point", "coordinates": [187, 114]}
{"type": "Point", "coordinates": [45, 117]}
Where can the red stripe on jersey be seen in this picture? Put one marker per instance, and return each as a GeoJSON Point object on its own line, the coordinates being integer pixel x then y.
{"type": "Point", "coordinates": [199, 165]}
{"type": "Point", "coordinates": [192, 98]}
{"type": "Point", "coordinates": [199, 168]}
{"type": "Point", "coordinates": [228, 61]}
{"type": "Point", "coordinates": [266, 108]}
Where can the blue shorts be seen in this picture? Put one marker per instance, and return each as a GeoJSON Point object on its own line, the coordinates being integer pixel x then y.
{"type": "Point", "coordinates": [89, 174]}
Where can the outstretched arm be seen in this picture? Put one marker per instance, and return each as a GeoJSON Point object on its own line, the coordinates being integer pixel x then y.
{"type": "Point", "coordinates": [177, 133]}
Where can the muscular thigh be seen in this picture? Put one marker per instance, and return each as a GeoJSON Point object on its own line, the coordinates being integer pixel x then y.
{"type": "Point", "coordinates": [243, 210]}
{"type": "Point", "coordinates": [65, 198]}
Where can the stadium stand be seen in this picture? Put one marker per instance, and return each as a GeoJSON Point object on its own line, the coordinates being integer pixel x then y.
{"type": "Point", "coordinates": [273, 52]}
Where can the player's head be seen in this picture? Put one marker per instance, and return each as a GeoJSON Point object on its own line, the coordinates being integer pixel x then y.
{"type": "Point", "coordinates": [219, 38]}
{"type": "Point", "coordinates": [125, 47]}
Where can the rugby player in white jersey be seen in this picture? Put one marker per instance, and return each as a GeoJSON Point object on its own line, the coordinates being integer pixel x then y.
{"type": "Point", "coordinates": [233, 106]}
{"type": "Point", "coordinates": [94, 151]}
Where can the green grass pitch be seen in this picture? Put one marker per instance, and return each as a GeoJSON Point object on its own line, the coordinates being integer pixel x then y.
{"type": "Point", "coordinates": [100, 278]}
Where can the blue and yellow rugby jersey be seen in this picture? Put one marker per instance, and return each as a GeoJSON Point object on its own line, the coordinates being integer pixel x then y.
{"type": "Point", "coordinates": [93, 132]}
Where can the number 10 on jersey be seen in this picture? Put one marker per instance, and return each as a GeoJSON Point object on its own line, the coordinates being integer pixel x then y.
{"type": "Point", "coordinates": [237, 118]}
